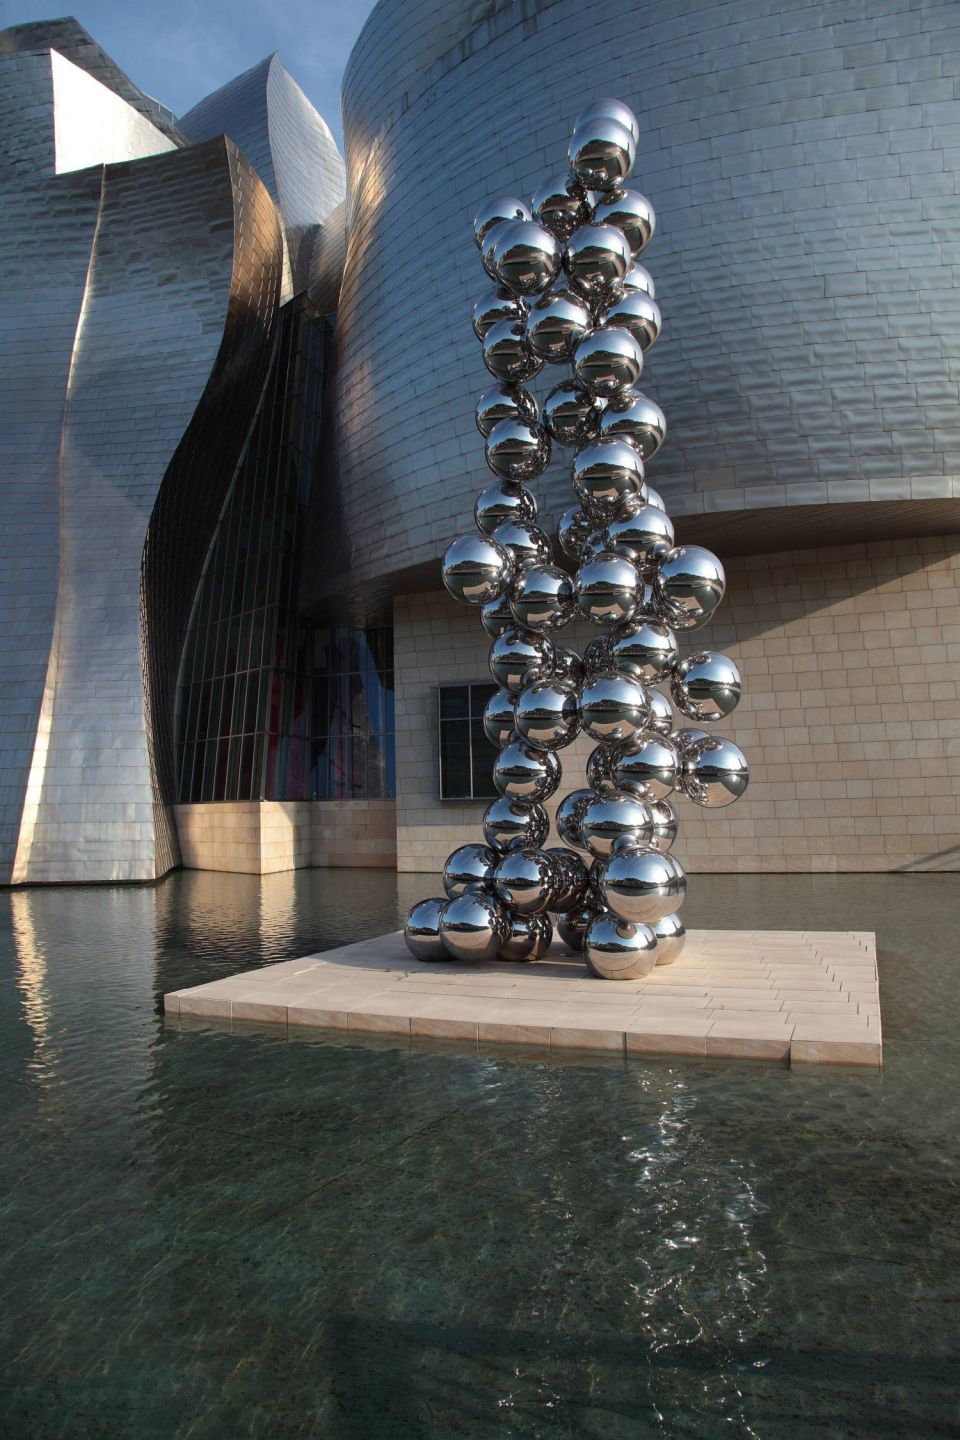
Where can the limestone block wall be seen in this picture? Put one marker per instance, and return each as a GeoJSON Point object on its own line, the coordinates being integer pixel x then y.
{"type": "Point", "coordinates": [851, 717]}
{"type": "Point", "coordinates": [359, 833]}
{"type": "Point", "coordinates": [262, 837]}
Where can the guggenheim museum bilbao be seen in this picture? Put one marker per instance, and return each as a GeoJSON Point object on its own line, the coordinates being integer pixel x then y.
{"type": "Point", "coordinates": [238, 380]}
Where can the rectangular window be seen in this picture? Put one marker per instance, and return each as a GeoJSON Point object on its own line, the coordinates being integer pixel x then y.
{"type": "Point", "coordinates": [465, 755]}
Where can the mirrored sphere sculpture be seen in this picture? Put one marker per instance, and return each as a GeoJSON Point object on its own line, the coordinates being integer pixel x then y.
{"type": "Point", "coordinates": [547, 714]}
{"type": "Point", "coordinates": [500, 718]}
{"type": "Point", "coordinates": [642, 884]}
{"type": "Point", "coordinates": [715, 773]}
{"type": "Point", "coordinates": [508, 823]}
{"type": "Point", "coordinates": [595, 261]}
{"type": "Point", "coordinates": [476, 569]}
{"type": "Point", "coordinates": [574, 881]}
{"type": "Point", "coordinates": [507, 353]}
{"type": "Point", "coordinates": [500, 500]}
{"type": "Point", "coordinates": [607, 588]}
{"type": "Point", "coordinates": [614, 818]}
{"type": "Point", "coordinates": [569, 814]}
{"type": "Point", "coordinates": [469, 868]}
{"type": "Point", "coordinates": [526, 257]}
{"type": "Point", "coordinates": [517, 451]}
{"type": "Point", "coordinates": [527, 880]}
{"type": "Point", "coordinates": [612, 109]}
{"type": "Point", "coordinates": [529, 938]}
{"type": "Point", "coordinates": [556, 324]}
{"type": "Point", "coordinates": [567, 665]}
{"type": "Point", "coordinates": [601, 152]}
{"type": "Point", "coordinates": [496, 304]}
{"type": "Point", "coordinates": [633, 416]}
{"type": "Point", "coordinates": [496, 615]}
{"type": "Point", "coordinates": [606, 362]}
{"type": "Point", "coordinates": [671, 938]}
{"type": "Point", "coordinates": [614, 707]}
{"type": "Point", "coordinates": [525, 773]}
{"type": "Point", "coordinates": [571, 415]}
{"type": "Point", "coordinates": [607, 472]}
{"type": "Point", "coordinates": [689, 585]}
{"type": "Point", "coordinates": [573, 527]}
{"type": "Point", "coordinates": [642, 532]}
{"type": "Point", "coordinates": [572, 925]}
{"type": "Point", "coordinates": [630, 212]}
{"type": "Point", "coordinates": [474, 927]}
{"type": "Point", "coordinates": [520, 657]}
{"type": "Point", "coordinates": [616, 949]}
{"type": "Point", "coordinates": [421, 930]}
{"type": "Point", "coordinates": [542, 598]}
{"type": "Point", "coordinates": [561, 204]}
{"type": "Point", "coordinates": [505, 401]}
{"type": "Point", "coordinates": [527, 544]}
{"type": "Point", "coordinates": [496, 212]}
{"type": "Point", "coordinates": [706, 686]}
{"type": "Point", "coordinates": [661, 715]}
{"type": "Point", "coordinates": [664, 825]}
{"type": "Point", "coordinates": [649, 769]}
{"type": "Point", "coordinates": [637, 313]}
{"type": "Point", "coordinates": [645, 649]}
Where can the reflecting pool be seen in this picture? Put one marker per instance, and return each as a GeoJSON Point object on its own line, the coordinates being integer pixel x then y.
{"type": "Point", "coordinates": [215, 1234]}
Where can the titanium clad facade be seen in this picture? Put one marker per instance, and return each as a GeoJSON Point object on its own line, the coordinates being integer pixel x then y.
{"type": "Point", "coordinates": [803, 166]}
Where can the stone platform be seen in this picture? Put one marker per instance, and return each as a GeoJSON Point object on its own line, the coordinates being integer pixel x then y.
{"type": "Point", "coordinates": [803, 997]}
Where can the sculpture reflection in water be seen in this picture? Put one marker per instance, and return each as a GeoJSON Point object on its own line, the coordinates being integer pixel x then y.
{"type": "Point", "coordinates": [568, 289]}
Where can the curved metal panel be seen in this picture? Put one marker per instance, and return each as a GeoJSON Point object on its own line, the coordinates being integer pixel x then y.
{"type": "Point", "coordinates": [810, 348]}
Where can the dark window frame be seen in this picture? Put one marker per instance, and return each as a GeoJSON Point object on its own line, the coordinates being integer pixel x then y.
{"type": "Point", "coordinates": [466, 727]}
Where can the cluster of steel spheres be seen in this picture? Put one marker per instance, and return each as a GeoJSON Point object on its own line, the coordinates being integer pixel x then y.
{"type": "Point", "coordinates": [568, 289]}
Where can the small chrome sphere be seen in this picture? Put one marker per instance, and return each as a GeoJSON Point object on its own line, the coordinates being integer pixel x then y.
{"type": "Point", "coordinates": [664, 825]}
{"type": "Point", "coordinates": [612, 110]}
{"type": "Point", "coordinates": [643, 533]}
{"type": "Point", "coordinates": [631, 213]}
{"type": "Point", "coordinates": [556, 324]}
{"type": "Point", "coordinates": [507, 353]}
{"type": "Point", "coordinates": [567, 665]}
{"type": "Point", "coordinates": [596, 655]}
{"type": "Point", "coordinates": [571, 415]}
{"type": "Point", "coordinates": [601, 152]}
{"type": "Point", "coordinates": [637, 313]}
{"type": "Point", "coordinates": [661, 715]}
{"type": "Point", "coordinates": [477, 568]}
{"type": "Point", "coordinates": [495, 304]}
{"type": "Point", "coordinates": [689, 585]}
{"type": "Point", "coordinates": [542, 598]}
{"type": "Point", "coordinates": [517, 451]}
{"type": "Point", "coordinates": [614, 707]}
{"type": "Point", "coordinates": [561, 204]}
{"type": "Point", "coordinates": [649, 769]}
{"type": "Point", "coordinates": [520, 657]}
{"type": "Point", "coordinates": [569, 813]}
{"type": "Point", "coordinates": [575, 881]}
{"type": "Point", "coordinates": [638, 277]}
{"type": "Point", "coordinates": [527, 880]}
{"type": "Point", "coordinates": [573, 527]}
{"type": "Point", "coordinates": [500, 717]}
{"type": "Point", "coordinates": [671, 938]}
{"type": "Point", "coordinates": [525, 773]}
{"type": "Point", "coordinates": [599, 767]}
{"type": "Point", "coordinates": [595, 543]}
{"type": "Point", "coordinates": [635, 417]}
{"type": "Point", "coordinates": [607, 362]}
{"type": "Point", "coordinates": [500, 500]}
{"type": "Point", "coordinates": [615, 949]}
{"type": "Point", "coordinates": [474, 927]}
{"type": "Point", "coordinates": [509, 824]}
{"type": "Point", "coordinates": [605, 474]}
{"type": "Point", "coordinates": [644, 649]}
{"type": "Point", "coordinates": [595, 260]}
{"type": "Point", "coordinates": [505, 402]}
{"type": "Point", "coordinates": [706, 686]}
{"type": "Point", "coordinates": [526, 257]}
{"type": "Point", "coordinates": [642, 885]}
{"type": "Point", "coordinates": [469, 868]}
{"type": "Point", "coordinates": [686, 738]}
{"type": "Point", "coordinates": [527, 544]}
{"type": "Point", "coordinates": [547, 715]}
{"type": "Point", "coordinates": [421, 931]}
{"type": "Point", "coordinates": [715, 773]}
{"type": "Point", "coordinates": [572, 926]}
{"type": "Point", "coordinates": [614, 819]}
{"type": "Point", "coordinates": [655, 498]}
{"type": "Point", "coordinates": [497, 212]}
{"type": "Point", "coordinates": [529, 939]}
{"type": "Point", "coordinates": [608, 589]}
{"type": "Point", "coordinates": [496, 616]}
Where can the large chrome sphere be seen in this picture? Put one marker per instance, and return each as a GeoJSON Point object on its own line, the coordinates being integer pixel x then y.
{"type": "Point", "coordinates": [614, 819]}
{"type": "Point", "coordinates": [607, 361]}
{"type": "Point", "coordinates": [575, 880]}
{"type": "Point", "coordinates": [496, 616]}
{"type": "Point", "coordinates": [500, 717]}
{"type": "Point", "coordinates": [706, 686]}
{"type": "Point", "coordinates": [664, 825]}
{"type": "Point", "coordinates": [638, 277]}
{"type": "Point", "coordinates": [635, 417]}
{"type": "Point", "coordinates": [614, 707]}
{"type": "Point", "coordinates": [556, 325]}
{"type": "Point", "coordinates": [526, 543]}
{"type": "Point", "coordinates": [596, 259]}
{"type": "Point", "coordinates": [573, 527]}
{"type": "Point", "coordinates": [502, 501]}
{"type": "Point", "coordinates": [505, 402]}
{"type": "Point", "coordinates": [641, 885]}
{"type": "Point", "coordinates": [644, 649]}
{"type": "Point", "coordinates": [607, 588]}
{"type": "Point", "coordinates": [637, 313]}
{"type": "Point", "coordinates": [476, 568]}
{"type": "Point", "coordinates": [661, 714]}
{"type": "Point", "coordinates": [523, 772]}
{"type": "Point", "coordinates": [715, 773]}
{"type": "Point", "coordinates": [686, 738]}
{"type": "Point", "coordinates": [516, 451]}
{"type": "Point", "coordinates": [469, 868]}
{"type": "Point", "coordinates": [497, 212]}
{"type": "Point", "coordinates": [599, 767]}
{"type": "Point", "coordinates": [601, 153]}
{"type": "Point", "coordinates": [520, 657]}
{"type": "Point", "coordinates": [561, 203]}
{"type": "Point", "coordinates": [569, 813]}
{"type": "Point", "coordinates": [644, 533]}
{"type": "Point", "coordinates": [547, 714]}
{"type": "Point", "coordinates": [526, 257]}
{"type": "Point", "coordinates": [615, 949]}
{"type": "Point", "coordinates": [529, 938]}
{"type": "Point", "coordinates": [671, 938]}
{"type": "Point", "coordinates": [572, 926]}
{"type": "Point", "coordinates": [542, 598]}
{"type": "Point", "coordinates": [527, 881]}
{"type": "Point", "coordinates": [508, 824]}
{"type": "Point", "coordinates": [689, 585]}
{"type": "Point", "coordinates": [612, 110]}
{"type": "Point", "coordinates": [649, 769]}
{"type": "Point", "coordinates": [422, 930]}
{"type": "Point", "coordinates": [474, 927]}
{"type": "Point", "coordinates": [507, 353]}
{"type": "Point", "coordinates": [631, 213]}
{"type": "Point", "coordinates": [605, 474]}
{"type": "Point", "coordinates": [495, 304]}
{"type": "Point", "coordinates": [571, 415]}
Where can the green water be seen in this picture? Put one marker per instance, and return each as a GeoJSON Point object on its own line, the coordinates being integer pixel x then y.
{"type": "Point", "coordinates": [208, 1234]}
